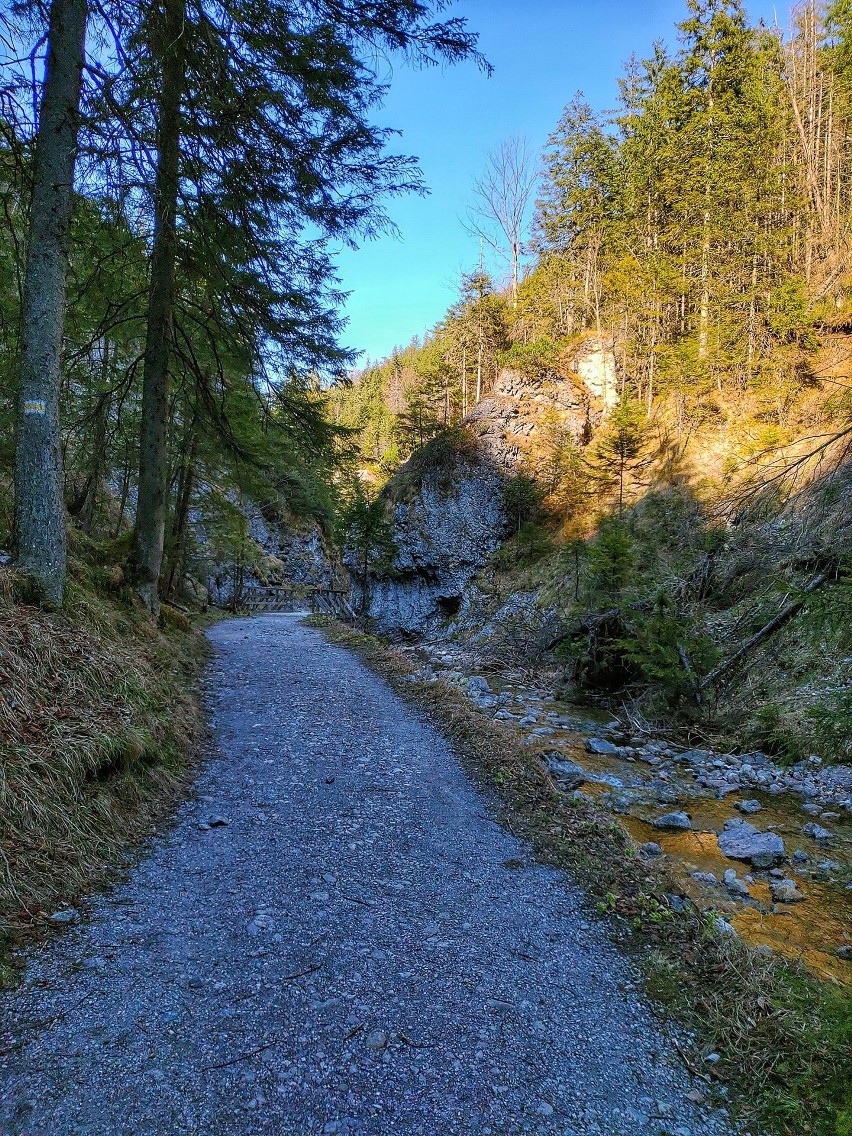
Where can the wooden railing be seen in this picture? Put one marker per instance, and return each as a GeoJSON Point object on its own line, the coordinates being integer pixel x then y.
{"type": "Point", "coordinates": [328, 601]}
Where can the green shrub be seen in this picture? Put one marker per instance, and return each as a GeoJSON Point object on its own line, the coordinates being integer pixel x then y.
{"type": "Point", "coordinates": [832, 726]}
{"type": "Point", "coordinates": [529, 545]}
{"type": "Point", "coordinates": [611, 560]}
{"type": "Point", "coordinates": [522, 501]}
{"type": "Point", "coordinates": [668, 652]}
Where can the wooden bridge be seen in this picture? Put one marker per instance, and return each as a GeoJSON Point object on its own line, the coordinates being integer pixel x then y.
{"type": "Point", "coordinates": [280, 598]}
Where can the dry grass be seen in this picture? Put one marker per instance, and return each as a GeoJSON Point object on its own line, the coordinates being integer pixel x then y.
{"type": "Point", "coordinates": [97, 722]}
{"type": "Point", "coordinates": [784, 1038]}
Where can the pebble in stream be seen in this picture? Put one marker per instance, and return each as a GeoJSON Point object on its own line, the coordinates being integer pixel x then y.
{"type": "Point", "coordinates": [360, 949]}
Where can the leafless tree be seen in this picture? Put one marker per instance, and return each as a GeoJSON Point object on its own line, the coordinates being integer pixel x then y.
{"type": "Point", "coordinates": [502, 195]}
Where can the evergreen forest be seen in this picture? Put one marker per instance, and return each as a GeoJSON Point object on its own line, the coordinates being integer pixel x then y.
{"type": "Point", "coordinates": [592, 530]}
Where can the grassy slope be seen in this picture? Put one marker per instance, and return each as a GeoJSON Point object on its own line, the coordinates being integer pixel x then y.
{"type": "Point", "coordinates": [98, 723]}
{"type": "Point", "coordinates": [784, 1039]}
{"type": "Point", "coordinates": [791, 696]}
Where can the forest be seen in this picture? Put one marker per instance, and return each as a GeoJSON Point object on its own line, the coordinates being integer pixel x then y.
{"type": "Point", "coordinates": [170, 308]}
{"type": "Point", "coordinates": [699, 232]}
{"type": "Point", "coordinates": [702, 224]}
{"type": "Point", "coordinates": [606, 499]}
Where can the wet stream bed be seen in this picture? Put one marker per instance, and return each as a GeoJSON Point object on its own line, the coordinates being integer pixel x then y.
{"type": "Point", "coordinates": [812, 928]}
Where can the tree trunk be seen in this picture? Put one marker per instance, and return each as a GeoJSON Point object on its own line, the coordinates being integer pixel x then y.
{"type": "Point", "coordinates": [41, 543]}
{"type": "Point", "coordinates": [125, 490]}
{"type": "Point", "coordinates": [183, 498]}
{"type": "Point", "coordinates": [479, 369]}
{"type": "Point", "coordinates": [704, 305]}
{"type": "Point", "coordinates": [464, 382]}
{"type": "Point", "coordinates": [149, 532]}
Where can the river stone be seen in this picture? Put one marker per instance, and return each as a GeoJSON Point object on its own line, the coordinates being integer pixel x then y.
{"type": "Point", "coordinates": [742, 841]}
{"type": "Point", "coordinates": [705, 878]}
{"type": "Point", "coordinates": [650, 848]}
{"type": "Point", "coordinates": [734, 884]}
{"type": "Point", "coordinates": [567, 773]}
{"type": "Point", "coordinates": [845, 952]}
{"type": "Point", "coordinates": [785, 891]}
{"type": "Point", "coordinates": [695, 756]}
{"type": "Point", "coordinates": [816, 831]}
{"type": "Point", "coordinates": [601, 747]}
{"type": "Point", "coordinates": [677, 821]}
{"type": "Point", "coordinates": [749, 806]}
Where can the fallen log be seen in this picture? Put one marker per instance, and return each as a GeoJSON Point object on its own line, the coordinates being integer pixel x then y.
{"type": "Point", "coordinates": [775, 624]}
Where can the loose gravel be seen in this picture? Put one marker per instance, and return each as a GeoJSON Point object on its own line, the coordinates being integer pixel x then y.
{"type": "Point", "coordinates": [335, 937]}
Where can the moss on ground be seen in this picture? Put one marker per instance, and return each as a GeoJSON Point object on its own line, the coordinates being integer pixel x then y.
{"type": "Point", "coordinates": [783, 1037]}
{"type": "Point", "coordinates": [99, 721]}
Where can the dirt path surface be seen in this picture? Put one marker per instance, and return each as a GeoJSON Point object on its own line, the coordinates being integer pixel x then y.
{"type": "Point", "coordinates": [360, 949]}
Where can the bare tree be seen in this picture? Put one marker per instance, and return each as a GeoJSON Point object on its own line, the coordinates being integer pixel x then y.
{"type": "Point", "coordinates": [502, 195]}
{"type": "Point", "coordinates": [40, 537]}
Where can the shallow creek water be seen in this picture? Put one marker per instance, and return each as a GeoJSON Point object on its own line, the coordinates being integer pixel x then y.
{"type": "Point", "coordinates": [810, 931]}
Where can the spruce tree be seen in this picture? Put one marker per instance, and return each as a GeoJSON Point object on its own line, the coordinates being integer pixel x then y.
{"type": "Point", "coordinates": [264, 130]}
{"type": "Point", "coordinates": [40, 537]}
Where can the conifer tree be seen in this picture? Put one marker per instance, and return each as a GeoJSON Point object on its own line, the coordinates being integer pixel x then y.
{"type": "Point", "coordinates": [40, 538]}
{"type": "Point", "coordinates": [263, 127]}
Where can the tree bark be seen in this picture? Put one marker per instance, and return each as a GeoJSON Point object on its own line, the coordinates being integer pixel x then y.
{"type": "Point", "coordinates": [41, 543]}
{"type": "Point", "coordinates": [149, 531]}
{"type": "Point", "coordinates": [183, 498]}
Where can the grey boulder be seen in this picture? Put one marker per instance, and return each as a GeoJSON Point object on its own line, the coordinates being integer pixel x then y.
{"type": "Point", "coordinates": [601, 747]}
{"type": "Point", "coordinates": [816, 831]}
{"type": "Point", "coordinates": [749, 806]}
{"type": "Point", "coordinates": [785, 891]}
{"type": "Point", "coordinates": [567, 773]}
{"type": "Point", "coordinates": [678, 822]}
{"type": "Point", "coordinates": [742, 841]}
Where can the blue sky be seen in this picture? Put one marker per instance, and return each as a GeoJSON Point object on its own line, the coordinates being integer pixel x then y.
{"type": "Point", "coordinates": [542, 52]}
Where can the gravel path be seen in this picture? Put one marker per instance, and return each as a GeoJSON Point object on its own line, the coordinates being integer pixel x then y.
{"type": "Point", "coordinates": [359, 949]}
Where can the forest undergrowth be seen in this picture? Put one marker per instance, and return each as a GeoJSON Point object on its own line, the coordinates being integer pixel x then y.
{"type": "Point", "coordinates": [725, 619]}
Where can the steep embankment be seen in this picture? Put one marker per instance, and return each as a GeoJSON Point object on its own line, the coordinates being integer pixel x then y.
{"type": "Point", "coordinates": [689, 573]}
{"type": "Point", "coordinates": [97, 723]}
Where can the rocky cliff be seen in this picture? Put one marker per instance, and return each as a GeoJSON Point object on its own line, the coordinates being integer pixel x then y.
{"type": "Point", "coordinates": [283, 552]}
{"type": "Point", "coordinates": [448, 508]}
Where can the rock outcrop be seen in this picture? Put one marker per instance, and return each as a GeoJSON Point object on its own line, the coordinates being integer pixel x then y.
{"type": "Point", "coordinates": [286, 552]}
{"type": "Point", "coordinates": [446, 529]}
{"type": "Point", "coordinates": [443, 536]}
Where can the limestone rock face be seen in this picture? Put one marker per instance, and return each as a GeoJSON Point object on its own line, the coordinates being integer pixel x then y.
{"type": "Point", "coordinates": [446, 531]}
{"type": "Point", "coordinates": [443, 536]}
{"type": "Point", "coordinates": [301, 551]}
{"type": "Point", "coordinates": [290, 552]}
{"type": "Point", "coordinates": [508, 419]}
{"type": "Point", "coordinates": [595, 363]}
